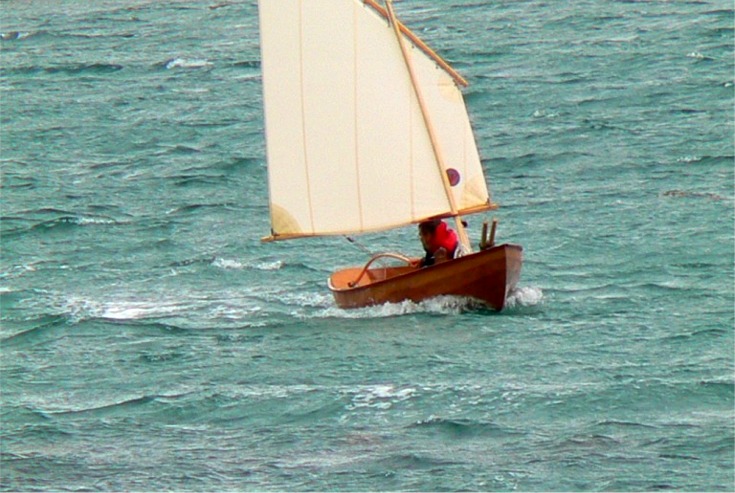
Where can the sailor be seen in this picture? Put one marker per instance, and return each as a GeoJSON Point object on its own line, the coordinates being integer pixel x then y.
{"type": "Point", "coordinates": [439, 240]}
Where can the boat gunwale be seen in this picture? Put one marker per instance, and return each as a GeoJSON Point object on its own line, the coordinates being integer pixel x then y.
{"type": "Point", "coordinates": [418, 271]}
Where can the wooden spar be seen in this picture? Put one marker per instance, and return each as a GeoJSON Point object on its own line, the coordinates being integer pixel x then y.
{"type": "Point", "coordinates": [292, 236]}
{"type": "Point", "coordinates": [458, 79]}
{"type": "Point", "coordinates": [463, 238]}
{"type": "Point", "coordinates": [491, 241]}
{"type": "Point", "coordinates": [483, 236]}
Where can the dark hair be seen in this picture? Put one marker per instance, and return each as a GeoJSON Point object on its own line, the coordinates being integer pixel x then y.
{"type": "Point", "coordinates": [429, 227]}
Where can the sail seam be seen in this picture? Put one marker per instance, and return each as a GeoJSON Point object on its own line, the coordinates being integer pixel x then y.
{"type": "Point", "coordinates": [303, 113]}
{"type": "Point", "coordinates": [410, 150]}
{"type": "Point", "coordinates": [355, 95]}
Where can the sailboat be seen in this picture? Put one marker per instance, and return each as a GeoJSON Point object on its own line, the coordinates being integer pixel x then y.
{"type": "Point", "coordinates": [367, 130]}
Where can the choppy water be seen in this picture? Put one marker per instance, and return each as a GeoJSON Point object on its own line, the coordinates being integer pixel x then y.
{"type": "Point", "coordinates": [150, 341]}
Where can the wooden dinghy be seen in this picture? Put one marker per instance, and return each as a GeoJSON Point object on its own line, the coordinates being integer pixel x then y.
{"type": "Point", "coordinates": [367, 130]}
{"type": "Point", "coordinates": [488, 276]}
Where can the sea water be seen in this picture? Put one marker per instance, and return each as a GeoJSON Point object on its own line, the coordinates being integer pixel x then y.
{"type": "Point", "coordinates": [151, 342]}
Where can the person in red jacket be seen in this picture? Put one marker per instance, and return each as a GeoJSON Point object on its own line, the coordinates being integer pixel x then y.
{"type": "Point", "coordinates": [439, 240]}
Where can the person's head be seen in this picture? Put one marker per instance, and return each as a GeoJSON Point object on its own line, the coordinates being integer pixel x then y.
{"type": "Point", "coordinates": [427, 231]}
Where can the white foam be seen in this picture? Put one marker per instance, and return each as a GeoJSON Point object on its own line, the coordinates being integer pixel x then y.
{"type": "Point", "coordinates": [688, 159]}
{"type": "Point", "coordinates": [442, 305]}
{"type": "Point", "coordinates": [137, 310]}
{"type": "Point", "coordinates": [525, 296]}
{"type": "Point", "coordinates": [94, 220]}
{"type": "Point", "coordinates": [232, 264]}
{"type": "Point", "coordinates": [380, 396]}
{"type": "Point", "coordinates": [187, 63]}
{"type": "Point", "coordinates": [227, 264]}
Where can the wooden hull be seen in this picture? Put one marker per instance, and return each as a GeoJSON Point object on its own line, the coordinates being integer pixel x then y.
{"type": "Point", "coordinates": [488, 276]}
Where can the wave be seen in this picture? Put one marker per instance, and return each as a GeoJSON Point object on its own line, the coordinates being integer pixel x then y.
{"type": "Point", "coordinates": [39, 328]}
{"type": "Point", "coordinates": [703, 333]}
{"type": "Point", "coordinates": [24, 225]}
{"type": "Point", "coordinates": [440, 305]}
{"type": "Point", "coordinates": [177, 62]}
{"type": "Point", "coordinates": [192, 180]}
{"type": "Point", "coordinates": [103, 408]}
{"type": "Point", "coordinates": [66, 221]}
{"type": "Point", "coordinates": [706, 160]}
{"type": "Point", "coordinates": [179, 149]}
{"type": "Point", "coordinates": [195, 207]}
{"type": "Point", "coordinates": [19, 35]}
{"type": "Point", "coordinates": [174, 312]}
{"type": "Point", "coordinates": [14, 272]}
{"type": "Point", "coordinates": [138, 310]}
{"type": "Point", "coordinates": [380, 396]}
{"type": "Point", "coordinates": [699, 57]}
{"type": "Point", "coordinates": [72, 69]}
{"type": "Point", "coordinates": [691, 194]}
{"type": "Point", "coordinates": [231, 264]}
{"type": "Point", "coordinates": [464, 428]}
{"type": "Point", "coordinates": [41, 34]}
{"type": "Point", "coordinates": [612, 423]}
{"type": "Point", "coordinates": [247, 64]}
{"type": "Point", "coordinates": [413, 461]}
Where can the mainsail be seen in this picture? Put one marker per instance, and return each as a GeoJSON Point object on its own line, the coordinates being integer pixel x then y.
{"type": "Point", "coordinates": [347, 143]}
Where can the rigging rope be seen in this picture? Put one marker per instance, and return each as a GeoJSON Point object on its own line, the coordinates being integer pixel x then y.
{"type": "Point", "coordinates": [358, 245]}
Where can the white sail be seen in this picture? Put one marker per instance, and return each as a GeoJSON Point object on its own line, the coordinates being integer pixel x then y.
{"type": "Point", "coordinates": [348, 147]}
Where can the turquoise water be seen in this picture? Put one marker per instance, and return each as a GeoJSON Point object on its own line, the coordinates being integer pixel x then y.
{"type": "Point", "coordinates": [150, 341]}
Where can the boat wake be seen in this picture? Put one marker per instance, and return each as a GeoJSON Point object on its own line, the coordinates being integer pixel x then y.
{"type": "Point", "coordinates": [440, 305]}
{"type": "Point", "coordinates": [523, 297]}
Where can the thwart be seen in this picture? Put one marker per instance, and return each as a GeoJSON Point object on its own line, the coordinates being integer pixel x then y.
{"type": "Point", "coordinates": [367, 130]}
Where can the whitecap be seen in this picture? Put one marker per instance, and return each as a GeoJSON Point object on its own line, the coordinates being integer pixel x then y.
{"type": "Point", "coordinates": [525, 296]}
{"type": "Point", "coordinates": [232, 264]}
{"type": "Point", "coordinates": [544, 114]}
{"type": "Point", "coordinates": [138, 310]}
{"type": "Point", "coordinates": [186, 63]}
{"type": "Point", "coordinates": [275, 265]}
{"type": "Point", "coordinates": [382, 396]}
{"type": "Point", "coordinates": [82, 221]}
{"type": "Point", "coordinates": [79, 309]}
{"type": "Point", "coordinates": [227, 264]}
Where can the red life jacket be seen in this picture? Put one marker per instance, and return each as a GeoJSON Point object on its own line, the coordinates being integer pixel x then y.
{"type": "Point", "coordinates": [444, 237]}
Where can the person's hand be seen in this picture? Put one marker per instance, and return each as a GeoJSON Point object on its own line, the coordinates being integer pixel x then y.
{"type": "Point", "coordinates": [441, 255]}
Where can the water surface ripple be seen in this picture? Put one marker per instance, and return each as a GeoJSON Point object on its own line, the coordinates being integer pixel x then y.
{"type": "Point", "coordinates": [151, 342]}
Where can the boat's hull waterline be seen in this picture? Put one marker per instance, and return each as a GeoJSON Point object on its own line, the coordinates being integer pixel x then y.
{"type": "Point", "coordinates": [488, 276]}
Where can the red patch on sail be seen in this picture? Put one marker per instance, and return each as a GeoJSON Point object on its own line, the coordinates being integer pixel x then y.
{"type": "Point", "coordinates": [453, 176]}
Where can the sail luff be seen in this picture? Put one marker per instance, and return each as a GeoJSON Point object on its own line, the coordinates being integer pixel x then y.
{"type": "Point", "coordinates": [435, 144]}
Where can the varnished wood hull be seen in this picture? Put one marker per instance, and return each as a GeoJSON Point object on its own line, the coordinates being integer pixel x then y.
{"type": "Point", "coordinates": [488, 276]}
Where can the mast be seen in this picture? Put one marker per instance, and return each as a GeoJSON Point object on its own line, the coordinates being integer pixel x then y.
{"type": "Point", "coordinates": [436, 146]}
